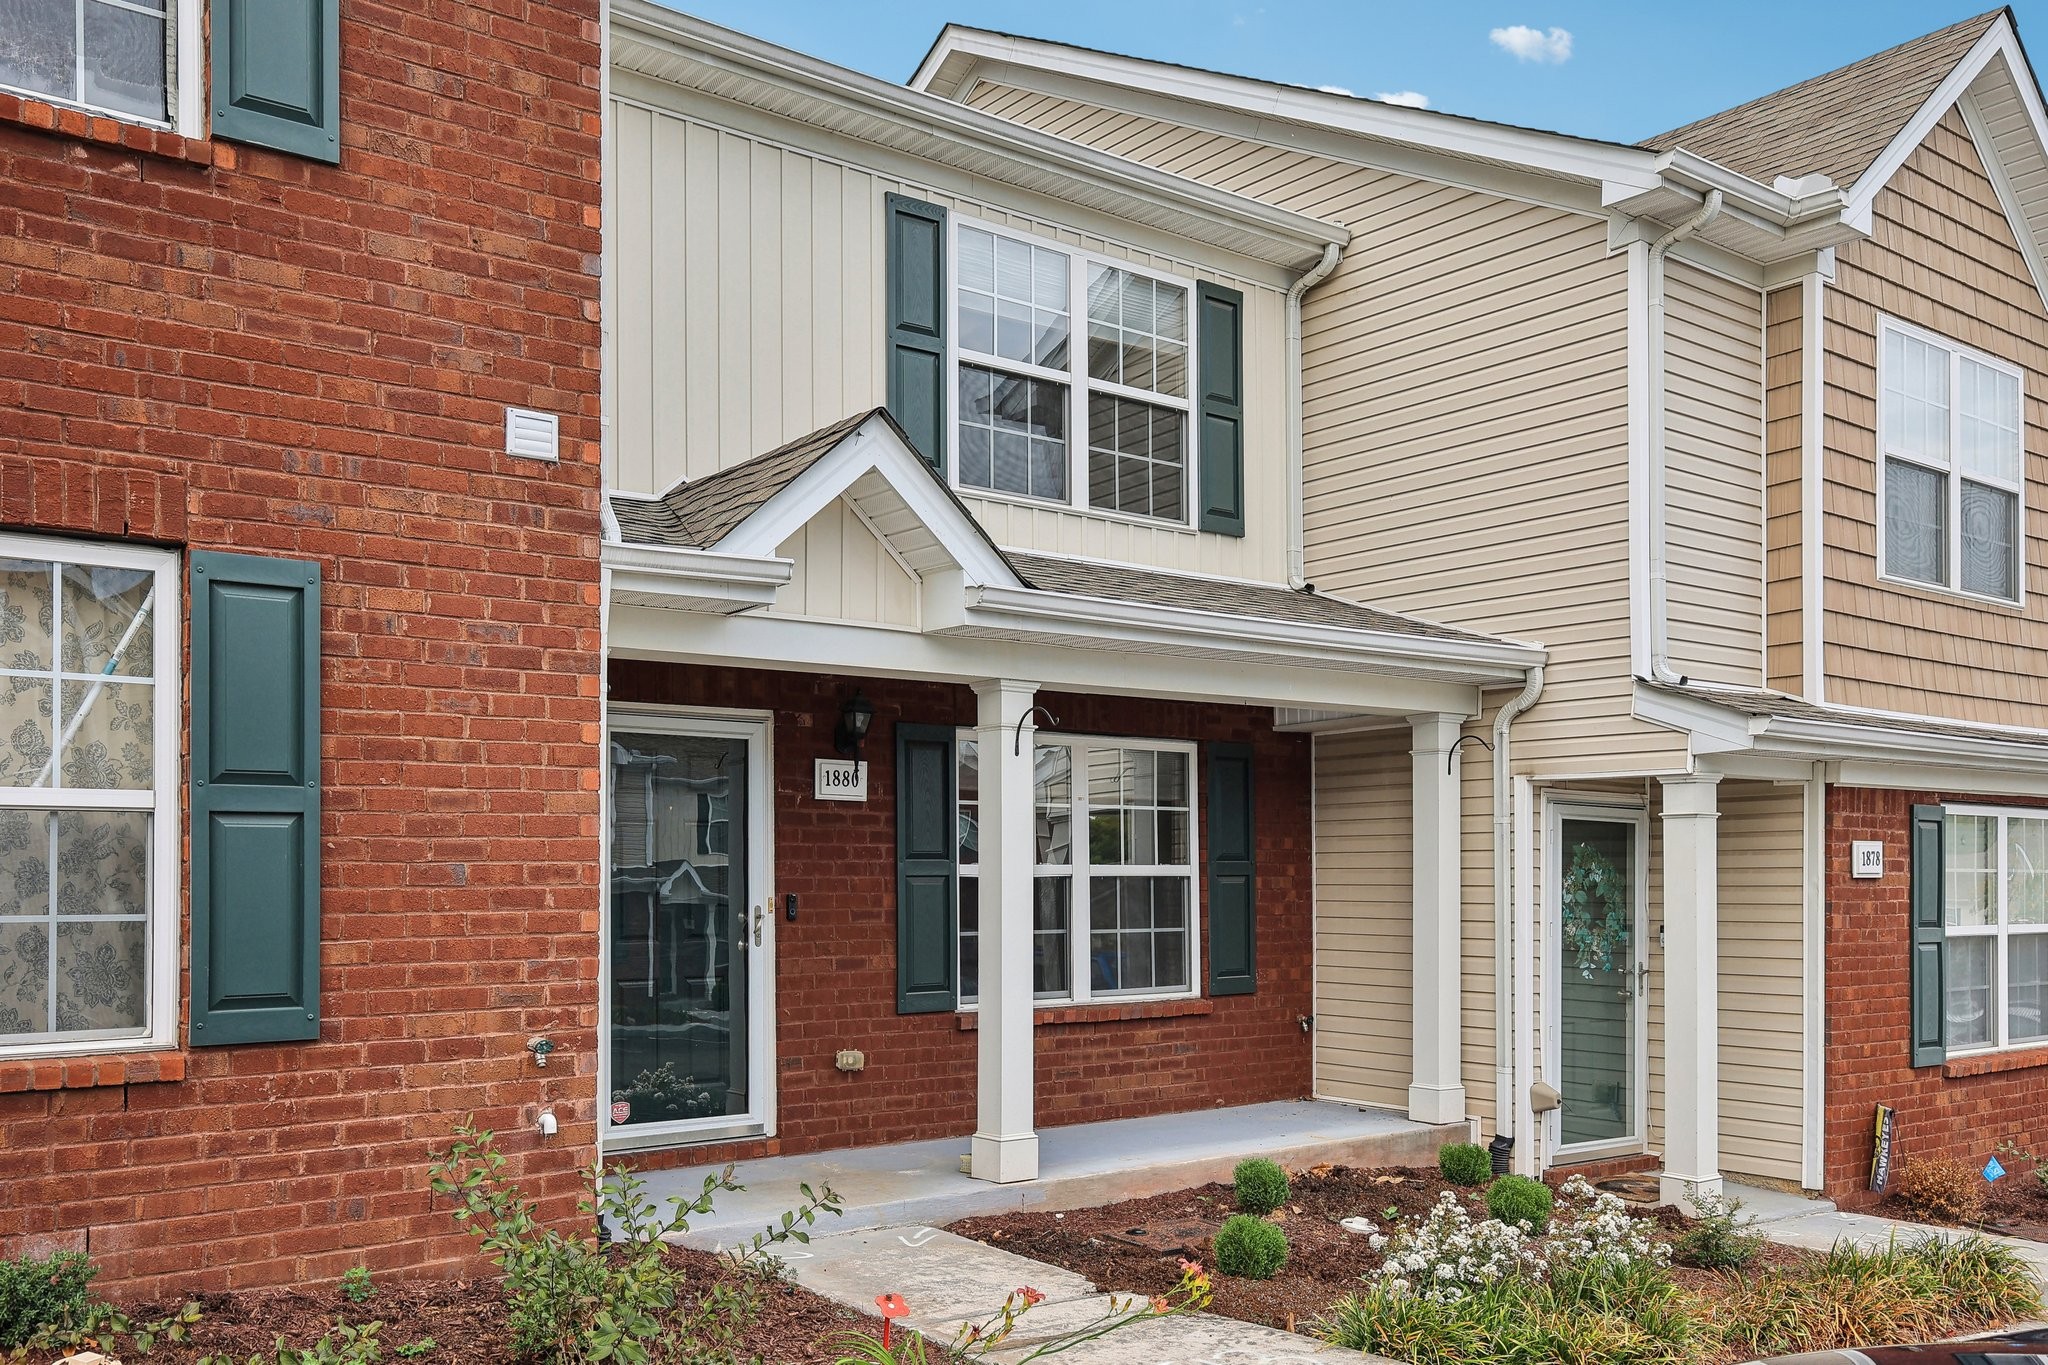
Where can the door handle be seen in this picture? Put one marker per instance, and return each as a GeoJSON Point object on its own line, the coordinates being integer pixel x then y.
{"type": "Point", "coordinates": [759, 915]}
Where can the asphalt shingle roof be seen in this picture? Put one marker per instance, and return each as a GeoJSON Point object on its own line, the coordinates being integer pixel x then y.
{"type": "Point", "coordinates": [1837, 123]}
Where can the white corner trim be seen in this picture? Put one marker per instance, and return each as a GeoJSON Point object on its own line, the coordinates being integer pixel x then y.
{"type": "Point", "coordinates": [1812, 455]}
{"type": "Point", "coordinates": [1998, 39]}
{"type": "Point", "coordinates": [190, 116]}
{"type": "Point", "coordinates": [1640, 377]}
{"type": "Point", "coordinates": [1813, 986]}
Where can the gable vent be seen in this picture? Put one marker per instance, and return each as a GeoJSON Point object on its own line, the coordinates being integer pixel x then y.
{"type": "Point", "coordinates": [532, 435]}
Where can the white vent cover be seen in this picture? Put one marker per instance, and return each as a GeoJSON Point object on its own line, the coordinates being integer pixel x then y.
{"type": "Point", "coordinates": [532, 435]}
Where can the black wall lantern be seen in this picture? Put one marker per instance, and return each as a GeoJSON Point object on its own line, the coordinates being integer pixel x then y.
{"type": "Point", "coordinates": [854, 719]}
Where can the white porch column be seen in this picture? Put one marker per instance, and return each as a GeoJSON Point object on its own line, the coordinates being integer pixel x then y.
{"type": "Point", "coordinates": [1692, 967]}
{"type": "Point", "coordinates": [1005, 1147]}
{"type": "Point", "coordinates": [1437, 1091]}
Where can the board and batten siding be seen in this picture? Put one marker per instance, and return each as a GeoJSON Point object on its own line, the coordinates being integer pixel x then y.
{"type": "Point", "coordinates": [1714, 475]}
{"type": "Point", "coordinates": [1941, 255]}
{"type": "Point", "coordinates": [1365, 877]}
{"type": "Point", "coordinates": [746, 308]}
{"type": "Point", "coordinates": [842, 571]}
{"type": "Point", "coordinates": [1466, 414]}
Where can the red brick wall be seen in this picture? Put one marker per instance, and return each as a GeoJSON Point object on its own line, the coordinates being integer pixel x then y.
{"type": "Point", "coordinates": [1943, 1111]}
{"type": "Point", "coordinates": [836, 966]}
{"type": "Point", "coordinates": [221, 347]}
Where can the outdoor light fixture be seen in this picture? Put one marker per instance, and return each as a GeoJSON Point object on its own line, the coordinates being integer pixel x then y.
{"type": "Point", "coordinates": [854, 719]}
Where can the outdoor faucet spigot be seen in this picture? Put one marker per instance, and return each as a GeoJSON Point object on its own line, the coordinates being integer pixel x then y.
{"type": "Point", "coordinates": [540, 1048]}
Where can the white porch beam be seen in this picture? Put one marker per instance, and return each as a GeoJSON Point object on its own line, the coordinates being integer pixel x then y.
{"type": "Point", "coordinates": [1005, 1147]}
{"type": "Point", "coordinates": [1436, 1092]}
{"type": "Point", "coordinates": [1692, 967]}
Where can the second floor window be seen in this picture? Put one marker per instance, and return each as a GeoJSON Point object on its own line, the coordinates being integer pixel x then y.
{"type": "Point", "coordinates": [103, 54]}
{"type": "Point", "coordinates": [1072, 377]}
{"type": "Point", "coordinates": [1950, 434]}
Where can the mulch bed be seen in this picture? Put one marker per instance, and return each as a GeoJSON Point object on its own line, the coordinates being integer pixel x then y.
{"type": "Point", "coordinates": [465, 1319]}
{"type": "Point", "coordinates": [1324, 1262]}
{"type": "Point", "coordinates": [2016, 1205]}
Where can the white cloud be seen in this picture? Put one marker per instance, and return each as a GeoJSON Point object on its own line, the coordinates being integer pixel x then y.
{"type": "Point", "coordinates": [1534, 44]}
{"type": "Point", "coordinates": [1407, 99]}
{"type": "Point", "coordinates": [1338, 90]}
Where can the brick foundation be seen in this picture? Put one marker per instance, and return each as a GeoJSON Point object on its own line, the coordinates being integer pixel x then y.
{"type": "Point", "coordinates": [836, 967]}
{"type": "Point", "coordinates": [221, 347]}
{"type": "Point", "coordinates": [1963, 1110]}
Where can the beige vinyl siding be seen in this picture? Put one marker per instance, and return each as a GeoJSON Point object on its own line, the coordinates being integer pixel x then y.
{"type": "Point", "coordinates": [1784, 455]}
{"type": "Point", "coordinates": [1466, 411]}
{"type": "Point", "coordinates": [843, 572]}
{"type": "Point", "coordinates": [747, 277]}
{"type": "Point", "coordinates": [1941, 255]}
{"type": "Point", "coordinates": [1364, 916]}
{"type": "Point", "coordinates": [1763, 1054]}
{"type": "Point", "coordinates": [1714, 457]}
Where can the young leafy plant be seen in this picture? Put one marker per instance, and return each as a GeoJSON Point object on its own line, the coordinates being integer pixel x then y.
{"type": "Point", "coordinates": [356, 1286]}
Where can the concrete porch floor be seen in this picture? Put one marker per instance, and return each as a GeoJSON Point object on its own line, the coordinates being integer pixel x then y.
{"type": "Point", "coordinates": [1080, 1165]}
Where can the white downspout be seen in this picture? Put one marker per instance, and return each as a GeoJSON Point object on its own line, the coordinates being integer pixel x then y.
{"type": "Point", "coordinates": [1660, 616]}
{"type": "Point", "coordinates": [1297, 552]}
{"type": "Point", "coordinates": [1505, 1101]}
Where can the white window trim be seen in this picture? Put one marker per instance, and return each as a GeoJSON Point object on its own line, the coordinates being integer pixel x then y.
{"type": "Point", "coordinates": [2001, 933]}
{"type": "Point", "coordinates": [165, 863]}
{"type": "Point", "coordinates": [1079, 905]}
{"type": "Point", "coordinates": [1075, 378]}
{"type": "Point", "coordinates": [184, 77]}
{"type": "Point", "coordinates": [1950, 471]}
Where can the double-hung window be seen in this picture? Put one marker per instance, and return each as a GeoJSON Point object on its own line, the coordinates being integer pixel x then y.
{"type": "Point", "coordinates": [1995, 906]}
{"type": "Point", "coordinates": [1952, 451]}
{"type": "Point", "coordinates": [1113, 911]}
{"type": "Point", "coordinates": [1072, 377]}
{"type": "Point", "coordinates": [110, 55]}
{"type": "Point", "coordinates": [88, 796]}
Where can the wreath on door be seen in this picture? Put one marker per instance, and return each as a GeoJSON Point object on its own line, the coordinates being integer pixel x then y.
{"type": "Point", "coordinates": [1596, 914]}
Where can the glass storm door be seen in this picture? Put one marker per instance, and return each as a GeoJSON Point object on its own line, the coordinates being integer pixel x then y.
{"type": "Point", "coordinates": [683, 969]}
{"type": "Point", "coordinates": [1598, 975]}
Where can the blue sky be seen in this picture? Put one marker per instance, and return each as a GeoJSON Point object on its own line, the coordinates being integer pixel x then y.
{"type": "Point", "coordinates": [1633, 69]}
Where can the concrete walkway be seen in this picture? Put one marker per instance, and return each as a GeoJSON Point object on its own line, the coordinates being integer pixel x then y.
{"type": "Point", "coordinates": [1817, 1224]}
{"type": "Point", "coordinates": [948, 1281]}
{"type": "Point", "coordinates": [1080, 1166]}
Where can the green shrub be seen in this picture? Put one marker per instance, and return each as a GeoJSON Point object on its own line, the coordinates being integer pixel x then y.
{"type": "Point", "coordinates": [1261, 1185]}
{"type": "Point", "coordinates": [1250, 1248]}
{"type": "Point", "coordinates": [37, 1292]}
{"type": "Point", "coordinates": [569, 1302]}
{"type": "Point", "coordinates": [1465, 1163]}
{"type": "Point", "coordinates": [1519, 1200]}
{"type": "Point", "coordinates": [1719, 1238]}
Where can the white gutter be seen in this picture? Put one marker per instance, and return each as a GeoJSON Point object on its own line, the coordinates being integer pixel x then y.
{"type": "Point", "coordinates": [1297, 549]}
{"type": "Point", "coordinates": [1059, 614]}
{"type": "Point", "coordinates": [1505, 1101]}
{"type": "Point", "coordinates": [1659, 610]}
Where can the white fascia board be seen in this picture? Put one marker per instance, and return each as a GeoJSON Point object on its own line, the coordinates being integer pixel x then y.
{"type": "Point", "coordinates": [696, 580]}
{"type": "Point", "coordinates": [1940, 777]}
{"type": "Point", "coordinates": [841, 649]}
{"type": "Point", "coordinates": [797, 77]}
{"type": "Point", "coordinates": [1111, 622]}
{"type": "Point", "coordinates": [873, 445]}
{"type": "Point", "coordinates": [1711, 728]}
{"type": "Point", "coordinates": [1998, 40]}
{"type": "Point", "coordinates": [1552, 153]}
{"type": "Point", "coordinates": [1846, 740]}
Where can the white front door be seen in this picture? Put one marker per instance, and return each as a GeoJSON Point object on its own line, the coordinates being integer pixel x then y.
{"type": "Point", "coordinates": [687, 1040]}
{"type": "Point", "coordinates": [1597, 978]}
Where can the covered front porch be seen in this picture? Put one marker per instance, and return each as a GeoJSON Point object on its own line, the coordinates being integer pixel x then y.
{"type": "Point", "coordinates": [1071, 878]}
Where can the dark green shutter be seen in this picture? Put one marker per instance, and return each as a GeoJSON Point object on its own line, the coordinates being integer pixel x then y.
{"type": "Point", "coordinates": [255, 799]}
{"type": "Point", "coordinates": [917, 324]}
{"type": "Point", "coordinates": [1930, 940]}
{"type": "Point", "coordinates": [927, 872]}
{"type": "Point", "coordinates": [277, 75]}
{"type": "Point", "coordinates": [1233, 909]}
{"type": "Point", "coordinates": [1219, 334]}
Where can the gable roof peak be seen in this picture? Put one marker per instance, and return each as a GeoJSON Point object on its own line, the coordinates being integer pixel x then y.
{"type": "Point", "coordinates": [1837, 124]}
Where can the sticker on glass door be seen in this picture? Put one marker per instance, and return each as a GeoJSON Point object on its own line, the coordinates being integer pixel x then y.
{"type": "Point", "coordinates": [1598, 977]}
{"type": "Point", "coordinates": [679, 1045]}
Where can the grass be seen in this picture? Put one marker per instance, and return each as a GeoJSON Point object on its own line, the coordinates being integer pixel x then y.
{"type": "Point", "coordinates": [1918, 1290]}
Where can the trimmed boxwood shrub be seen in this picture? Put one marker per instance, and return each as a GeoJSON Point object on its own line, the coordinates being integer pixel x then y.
{"type": "Point", "coordinates": [1261, 1185]}
{"type": "Point", "coordinates": [1518, 1199]}
{"type": "Point", "coordinates": [1250, 1248]}
{"type": "Point", "coordinates": [1465, 1163]}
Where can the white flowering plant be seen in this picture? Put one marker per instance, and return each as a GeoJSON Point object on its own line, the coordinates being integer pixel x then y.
{"type": "Point", "coordinates": [1450, 1254]}
{"type": "Point", "coordinates": [1592, 1233]}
